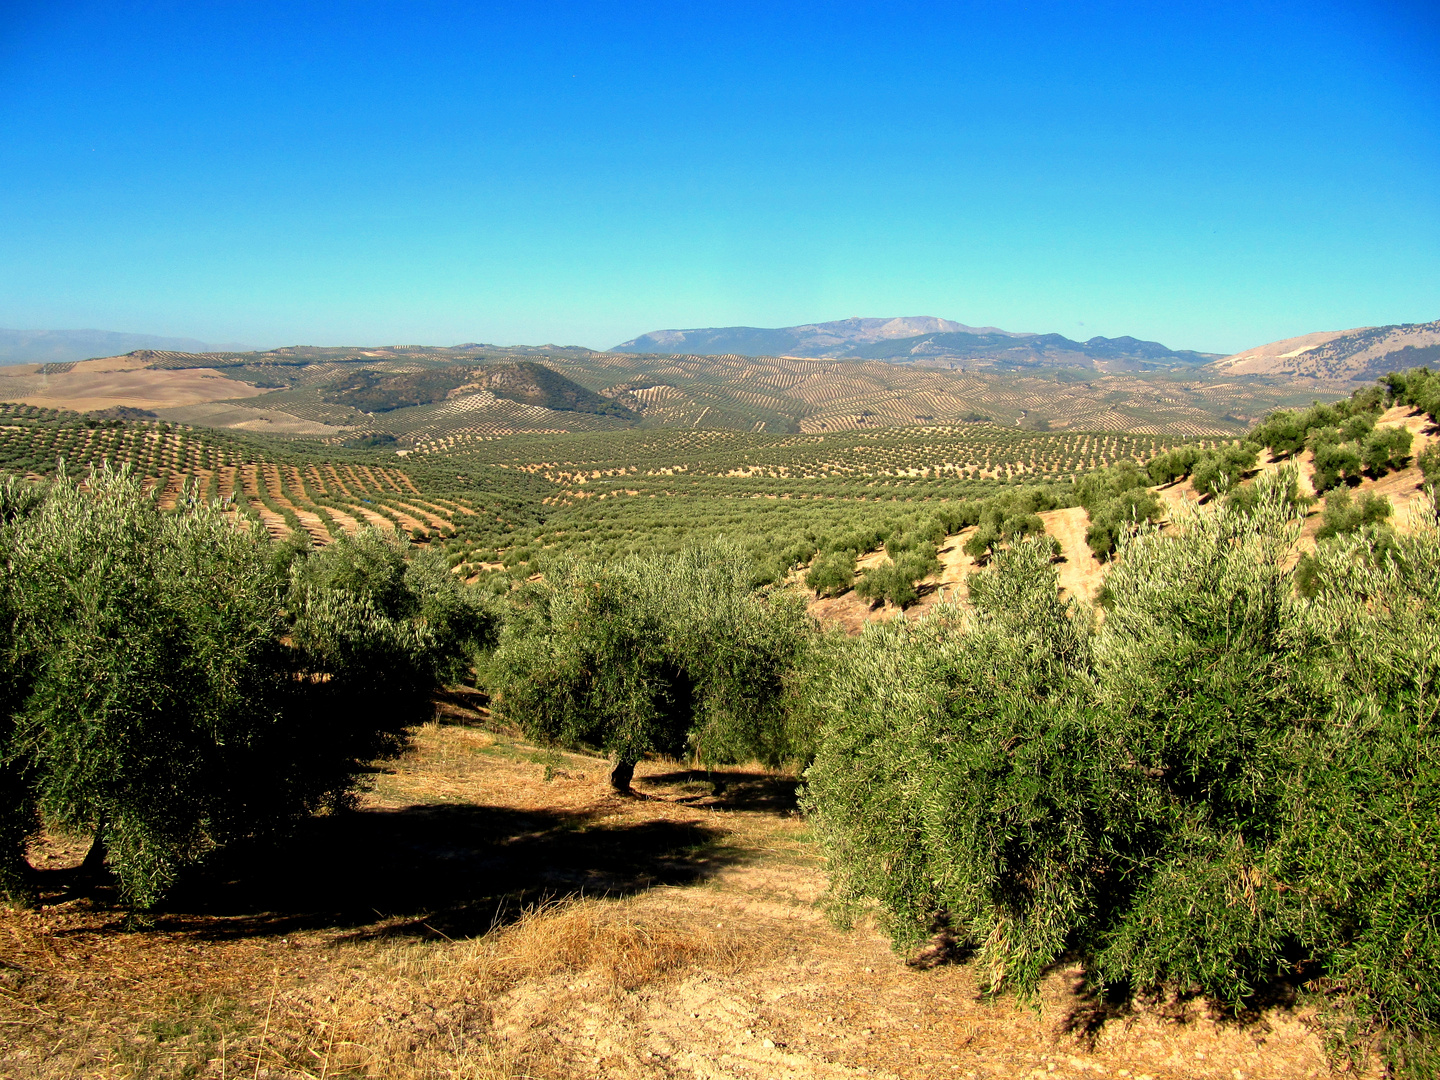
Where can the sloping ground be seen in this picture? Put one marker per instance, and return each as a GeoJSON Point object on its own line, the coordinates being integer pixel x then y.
{"type": "Point", "coordinates": [1081, 574]}
{"type": "Point", "coordinates": [1358, 354]}
{"type": "Point", "coordinates": [102, 384]}
{"type": "Point", "coordinates": [682, 936]}
{"type": "Point", "coordinates": [1269, 358]}
{"type": "Point", "coordinates": [224, 414]}
{"type": "Point", "coordinates": [744, 393]}
{"type": "Point", "coordinates": [1079, 571]}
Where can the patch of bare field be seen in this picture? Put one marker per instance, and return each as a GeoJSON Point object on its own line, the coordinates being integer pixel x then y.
{"type": "Point", "coordinates": [239, 417]}
{"type": "Point", "coordinates": [87, 386]}
{"type": "Point", "coordinates": [1403, 488]}
{"type": "Point", "coordinates": [1080, 576]}
{"type": "Point", "coordinates": [1080, 572]}
{"type": "Point", "coordinates": [493, 910]}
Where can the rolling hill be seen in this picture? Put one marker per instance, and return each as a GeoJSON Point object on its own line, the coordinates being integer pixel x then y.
{"type": "Point", "coordinates": [431, 398]}
{"type": "Point", "coordinates": [525, 381]}
{"type": "Point", "coordinates": [1356, 355]}
{"type": "Point", "coordinates": [920, 339]}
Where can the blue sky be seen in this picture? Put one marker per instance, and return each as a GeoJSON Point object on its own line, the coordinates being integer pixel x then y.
{"type": "Point", "coordinates": [1212, 176]}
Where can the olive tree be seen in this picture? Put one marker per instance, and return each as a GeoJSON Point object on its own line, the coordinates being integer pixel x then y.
{"type": "Point", "coordinates": [668, 655]}
{"type": "Point", "coordinates": [176, 682]}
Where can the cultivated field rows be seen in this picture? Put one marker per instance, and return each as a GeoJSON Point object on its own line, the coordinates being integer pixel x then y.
{"type": "Point", "coordinates": [321, 499]}
{"type": "Point", "coordinates": [665, 483]}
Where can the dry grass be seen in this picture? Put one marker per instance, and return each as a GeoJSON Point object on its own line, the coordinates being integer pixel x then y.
{"type": "Point", "coordinates": [486, 1008]}
{"type": "Point", "coordinates": [493, 911]}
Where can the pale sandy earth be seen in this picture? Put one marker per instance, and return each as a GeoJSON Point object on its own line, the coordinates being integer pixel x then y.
{"type": "Point", "coordinates": [1080, 572]}
{"type": "Point", "coordinates": [102, 384]}
{"type": "Point", "coordinates": [225, 414]}
{"type": "Point", "coordinates": [1297, 356]}
{"type": "Point", "coordinates": [1259, 359]}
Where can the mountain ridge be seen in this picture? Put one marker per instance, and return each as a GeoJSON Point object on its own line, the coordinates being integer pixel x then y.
{"type": "Point", "coordinates": [922, 339]}
{"type": "Point", "coordinates": [1357, 355]}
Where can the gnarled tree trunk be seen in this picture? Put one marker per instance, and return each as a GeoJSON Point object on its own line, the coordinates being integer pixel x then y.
{"type": "Point", "coordinates": [622, 774]}
{"type": "Point", "coordinates": [93, 868]}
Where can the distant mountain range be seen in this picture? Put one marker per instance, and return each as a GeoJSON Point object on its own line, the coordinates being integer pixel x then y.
{"type": "Point", "coordinates": [1357, 355]}
{"type": "Point", "coordinates": [920, 339]}
{"type": "Point", "coordinates": [65, 346]}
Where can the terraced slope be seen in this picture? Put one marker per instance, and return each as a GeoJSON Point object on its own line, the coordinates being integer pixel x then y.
{"type": "Point", "coordinates": [316, 490]}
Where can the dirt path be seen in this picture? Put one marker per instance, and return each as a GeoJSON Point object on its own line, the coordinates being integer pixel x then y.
{"type": "Point", "coordinates": [313, 526]}
{"type": "Point", "coordinates": [680, 936]}
{"type": "Point", "coordinates": [1080, 572]}
{"type": "Point", "coordinates": [429, 516]}
{"type": "Point", "coordinates": [345, 521]}
{"type": "Point", "coordinates": [380, 522]}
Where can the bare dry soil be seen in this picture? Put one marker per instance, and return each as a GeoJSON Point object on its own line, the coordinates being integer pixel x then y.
{"type": "Point", "coordinates": [493, 910]}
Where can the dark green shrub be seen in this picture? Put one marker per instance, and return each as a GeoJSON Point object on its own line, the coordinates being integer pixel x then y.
{"type": "Point", "coordinates": [1117, 501]}
{"type": "Point", "coordinates": [1220, 470]}
{"type": "Point", "coordinates": [1365, 829]}
{"type": "Point", "coordinates": [1172, 465]}
{"type": "Point", "coordinates": [930, 727]}
{"type": "Point", "coordinates": [1385, 449]}
{"type": "Point", "coordinates": [1283, 433]}
{"type": "Point", "coordinates": [1357, 427]}
{"type": "Point", "coordinates": [1118, 517]}
{"type": "Point", "coordinates": [1417, 387]}
{"type": "Point", "coordinates": [1429, 462]}
{"type": "Point", "coordinates": [897, 581]}
{"type": "Point", "coordinates": [982, 541]}
{"type": "Point", "coordinates": [1226, 784]}
{"type": "Point", "coordinates": [1247, 498]}
{"type": "Point", "coordinates": [1335, 461]}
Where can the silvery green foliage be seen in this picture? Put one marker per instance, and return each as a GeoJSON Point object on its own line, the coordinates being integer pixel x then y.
{"type": "Point", "coordinates": [1221, 785]}
{"type": "Point", "coordinates": [669, 654]}
{"type": "Point", "coordinates": [174, 682]}
{"type": "Point", "coordinates": [141, 639]}
{"type": "Point", "coordinates": [933, 785]}
{"type": "Point", "coordinates": [1203, 703]}
{"type": "Point", "coordinates": [1367, 835]}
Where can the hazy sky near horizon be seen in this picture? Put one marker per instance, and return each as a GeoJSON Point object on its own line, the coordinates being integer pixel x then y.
{"type": "Point", "coordinates": [1211, 176]}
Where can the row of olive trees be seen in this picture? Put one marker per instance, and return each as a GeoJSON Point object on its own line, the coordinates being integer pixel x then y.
{"type": "Point", "coordinates": [1223, 783]}
{"type": "Point", "coordinates": [998, 520]}
{"type": "Point", "coordinates": [170, 683]}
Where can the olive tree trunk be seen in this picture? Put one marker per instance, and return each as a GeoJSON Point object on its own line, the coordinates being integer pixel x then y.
{"type": "Point", "coordinates": [93, 868]}
{"type": "Point", "coordinates": [622, 774]}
